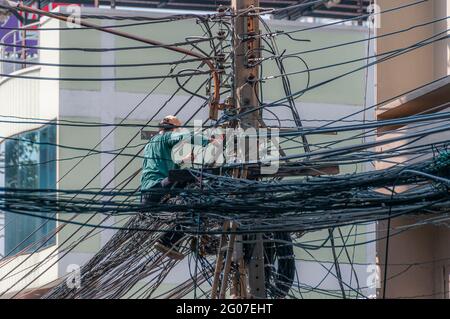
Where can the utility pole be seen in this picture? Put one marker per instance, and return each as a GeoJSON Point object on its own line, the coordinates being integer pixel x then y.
{"type": "Point", "coordinates": [246, 54]}
{"type": "Point", "coordinates": [247, 51]}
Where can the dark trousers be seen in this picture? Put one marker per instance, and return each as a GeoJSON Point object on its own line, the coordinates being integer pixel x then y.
{"type": "Point", "coordinates": [154, 196]}
{"type": "Point", "coordinates": [156, 193]}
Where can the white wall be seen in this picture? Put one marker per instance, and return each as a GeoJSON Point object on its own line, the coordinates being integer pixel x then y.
{"type": "Point", "coordinates": [19, 98]}
{"type": "Point", "coordinates": [15, 279]}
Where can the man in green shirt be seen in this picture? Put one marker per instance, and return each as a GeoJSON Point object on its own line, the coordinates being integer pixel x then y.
{"type": "Point", "coordinates": [158, 157]}
{"type": "Point", "coordinates": [155, 181]}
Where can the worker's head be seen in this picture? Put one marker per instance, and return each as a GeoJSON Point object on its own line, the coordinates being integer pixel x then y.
{"type": "Point", "coordinates": [169, 123]}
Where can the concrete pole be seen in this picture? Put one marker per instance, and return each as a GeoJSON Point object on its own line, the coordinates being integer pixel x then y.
{"type": "Point", "coordinates": [245, 54]}
{"type": "Point", "coordinates": [245, 98]}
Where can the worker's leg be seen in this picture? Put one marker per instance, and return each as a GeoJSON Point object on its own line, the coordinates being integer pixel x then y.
{"type": "Point", "coordinates": [170, 240]}
{"type": "Point", "coordinates": [166, 183]}
{"type": "Point", "coordinates": [149, 198]}
{"type": "Point", "coordinates": [156, 193]}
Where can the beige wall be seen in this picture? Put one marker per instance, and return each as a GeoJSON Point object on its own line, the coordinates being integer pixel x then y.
{"type": "Point", "coordinates": [419, 258]}
{"type": "Point", "coordinates": [442, 48]}
{"type": "Point", "coordinates": [420, 66]}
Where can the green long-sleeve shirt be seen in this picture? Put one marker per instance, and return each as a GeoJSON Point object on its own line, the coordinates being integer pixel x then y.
{"type": "Point", "coordinates": [158, 157]}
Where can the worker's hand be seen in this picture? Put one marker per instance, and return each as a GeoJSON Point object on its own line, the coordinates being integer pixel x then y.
{"type": "Point", "coordinates": [217, 140]}
{"type": "Point", "coordinates": [188, 158]}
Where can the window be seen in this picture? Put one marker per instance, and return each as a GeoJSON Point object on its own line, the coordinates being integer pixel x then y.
{"type": "Point", "coordinates": [30, 163]}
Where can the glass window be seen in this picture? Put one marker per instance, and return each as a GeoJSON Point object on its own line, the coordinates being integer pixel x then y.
{"type": "Point", "coordinates": [30, 163]}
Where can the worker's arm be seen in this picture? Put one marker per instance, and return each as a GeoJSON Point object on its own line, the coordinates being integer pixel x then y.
{"type": "Point", "coordinates": [194, 138]}
{"type": "Point", "coordinates": [188, 139]}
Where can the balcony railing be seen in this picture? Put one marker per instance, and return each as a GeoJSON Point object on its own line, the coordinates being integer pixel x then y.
{"type": "Point", "coordinates": [20, 46]}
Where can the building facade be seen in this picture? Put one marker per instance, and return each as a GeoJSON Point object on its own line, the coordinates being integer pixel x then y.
{"type": "Point", "coordinates": [413, 83]}
{"type": "Point", "coordinates": [81, 157]}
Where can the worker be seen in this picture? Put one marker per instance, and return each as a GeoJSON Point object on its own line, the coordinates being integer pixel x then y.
{"type": "Point", "coordinates": [155, 182]}
{"type": "Point", "coordinates": [158, 159]}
